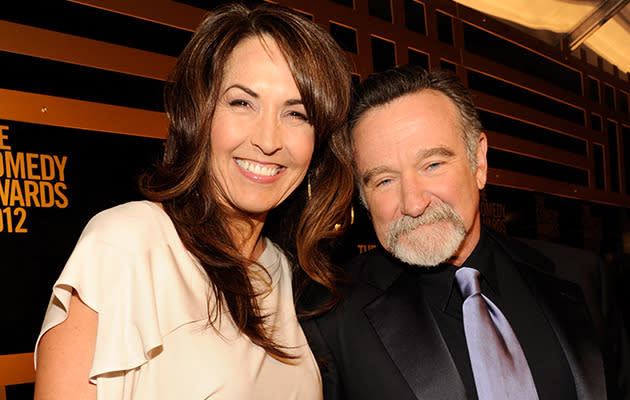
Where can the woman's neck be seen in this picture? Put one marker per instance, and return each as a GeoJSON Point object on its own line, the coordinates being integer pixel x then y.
{"type": "Point", "coordinates": [247, 237]}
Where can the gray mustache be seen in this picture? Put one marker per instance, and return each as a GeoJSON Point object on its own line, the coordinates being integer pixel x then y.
{"type": "Point", "coordinates": [432, 214]}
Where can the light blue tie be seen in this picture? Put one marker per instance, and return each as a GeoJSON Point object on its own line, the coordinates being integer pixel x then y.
{"type": "Point", "coordinates": [499, 366]}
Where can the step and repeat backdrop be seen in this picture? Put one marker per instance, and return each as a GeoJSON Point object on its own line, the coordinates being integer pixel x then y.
{"type": "Point", "coordinates": [52, 180]}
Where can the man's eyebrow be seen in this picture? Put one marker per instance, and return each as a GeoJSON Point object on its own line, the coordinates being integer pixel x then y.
{"type": "Point", "coordinates": [370, 173]}
{"type": "Point", "coordinates": [435, 151]}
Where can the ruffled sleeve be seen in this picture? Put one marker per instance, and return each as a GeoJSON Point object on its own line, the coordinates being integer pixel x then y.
{"type": "Point", "coordinates": [130, 267]}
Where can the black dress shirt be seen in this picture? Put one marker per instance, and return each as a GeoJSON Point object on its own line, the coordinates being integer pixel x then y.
{"type": "Point", "coordinates": [500, 282]}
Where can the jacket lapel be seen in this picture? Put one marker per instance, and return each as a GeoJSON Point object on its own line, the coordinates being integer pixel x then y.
{"type": "Point", "coordinates": [405, 325]}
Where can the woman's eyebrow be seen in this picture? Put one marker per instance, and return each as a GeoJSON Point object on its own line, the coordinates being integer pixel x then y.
{"type": "Point", "coordinates": [290, 102]}
{"type": "Point", "coordinates": [243, 88]}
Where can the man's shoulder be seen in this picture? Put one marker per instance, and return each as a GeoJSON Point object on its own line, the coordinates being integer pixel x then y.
{"type": "Point", "coordinates": [548, 256]}
{"type": "Point", "coordinates": [369, 275]}
{"type": "Point", "coordinates": [560, 253]}
{"type": "Point", "coordinates": [561, 268]}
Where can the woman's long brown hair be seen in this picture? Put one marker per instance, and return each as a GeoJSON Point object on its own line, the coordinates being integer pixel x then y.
{"type": "Point", "coordinates": [183, 181]}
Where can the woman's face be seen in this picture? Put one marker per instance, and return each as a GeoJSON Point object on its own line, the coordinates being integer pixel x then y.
{"type": "Point", "coordinates": [261, 138]}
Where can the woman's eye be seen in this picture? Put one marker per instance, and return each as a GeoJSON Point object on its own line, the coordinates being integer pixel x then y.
{"type": "Point", "coordinates": [298, 115]}
{"type": "Point", "coordinates": [239, 103]}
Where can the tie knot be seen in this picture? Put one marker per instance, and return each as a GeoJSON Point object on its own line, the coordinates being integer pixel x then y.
{"type": "Point", "coordinates": [468, 282]}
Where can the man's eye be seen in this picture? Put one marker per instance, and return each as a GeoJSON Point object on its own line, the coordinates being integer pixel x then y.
{"type": "Point", "coordinates": [434, 165]}
{"type": "Point", "coordinates": [383, 182]}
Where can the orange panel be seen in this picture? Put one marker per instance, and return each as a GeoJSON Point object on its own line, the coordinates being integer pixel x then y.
{"type": "Point", "coordinates": [16, 369]}
{"type": "Point", "coordinates": [31, 41]}
{"type": "Point", "coordinates": [536, 150]}
{"type": "Point", "coordinates": [520, 181]}
{"type": "Point", "coordinates": [69, 113]}
{"type": "Point", "coordinates": [164, 12]}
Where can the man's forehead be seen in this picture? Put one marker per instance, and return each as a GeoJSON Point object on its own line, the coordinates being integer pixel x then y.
{"type": "Point", "coordinates": [427, 97]}
{"type": "Point", "coordinates": [420, 112]}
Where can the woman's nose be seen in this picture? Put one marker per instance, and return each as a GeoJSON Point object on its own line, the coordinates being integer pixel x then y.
{"type": "Point", "coordinates": [267, 135]}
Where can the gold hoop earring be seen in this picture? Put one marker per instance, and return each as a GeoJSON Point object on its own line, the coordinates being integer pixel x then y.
{"type": "Point", "coordinates": [338, 226]}
{"type": "Point", "coordinates": [308, 186]}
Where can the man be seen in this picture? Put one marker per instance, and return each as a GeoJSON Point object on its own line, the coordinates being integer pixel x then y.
{"type": "Point", "coordinates": [398, 333]}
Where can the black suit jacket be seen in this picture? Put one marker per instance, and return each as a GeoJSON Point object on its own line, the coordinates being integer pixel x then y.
{"type": "Point", "coordinates": [381, 341]}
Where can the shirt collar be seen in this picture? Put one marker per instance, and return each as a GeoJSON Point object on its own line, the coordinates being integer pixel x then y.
{"type": "Point", "coordinates": [438, 283]}
{"type": "Point", "coordinates": [482, 259]}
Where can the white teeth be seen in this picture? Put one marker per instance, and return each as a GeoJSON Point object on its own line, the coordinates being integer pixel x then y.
{"type": "Point", "coordinates": [258, 169]}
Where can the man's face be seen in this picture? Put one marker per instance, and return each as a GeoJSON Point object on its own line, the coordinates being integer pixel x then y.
{"type": "Point", "coordinates": [419, 186]}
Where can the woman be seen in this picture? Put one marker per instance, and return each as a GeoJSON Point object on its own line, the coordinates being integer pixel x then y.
{"type": "Point", "coordinates": [190, 295]}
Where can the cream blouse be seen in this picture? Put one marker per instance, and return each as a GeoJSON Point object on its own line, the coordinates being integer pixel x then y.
{"type": "Point", "coordinates": [153, 338]}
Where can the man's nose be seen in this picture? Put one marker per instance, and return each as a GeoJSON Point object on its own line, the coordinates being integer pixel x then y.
{"type": "Point", "coordinates": [266, 134]}
{"type": "Point", "coordinates": [414, 197]}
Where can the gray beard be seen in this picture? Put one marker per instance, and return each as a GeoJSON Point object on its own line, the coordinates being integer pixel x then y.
{"type": "Point", "coordinates": [441, 234]}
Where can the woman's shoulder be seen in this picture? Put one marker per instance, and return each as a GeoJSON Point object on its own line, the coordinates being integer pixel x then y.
{"type": "Point", "coordinates": [127, 267]}
{"type": "Point", "coordinates": [131, 225]}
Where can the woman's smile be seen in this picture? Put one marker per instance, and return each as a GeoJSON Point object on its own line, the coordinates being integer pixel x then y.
{"type": "Point", "coordinates": [260, 172]}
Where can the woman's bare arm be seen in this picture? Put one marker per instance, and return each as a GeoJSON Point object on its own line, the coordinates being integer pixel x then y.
{"type": "Point", "coordinates": [64, 356]}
